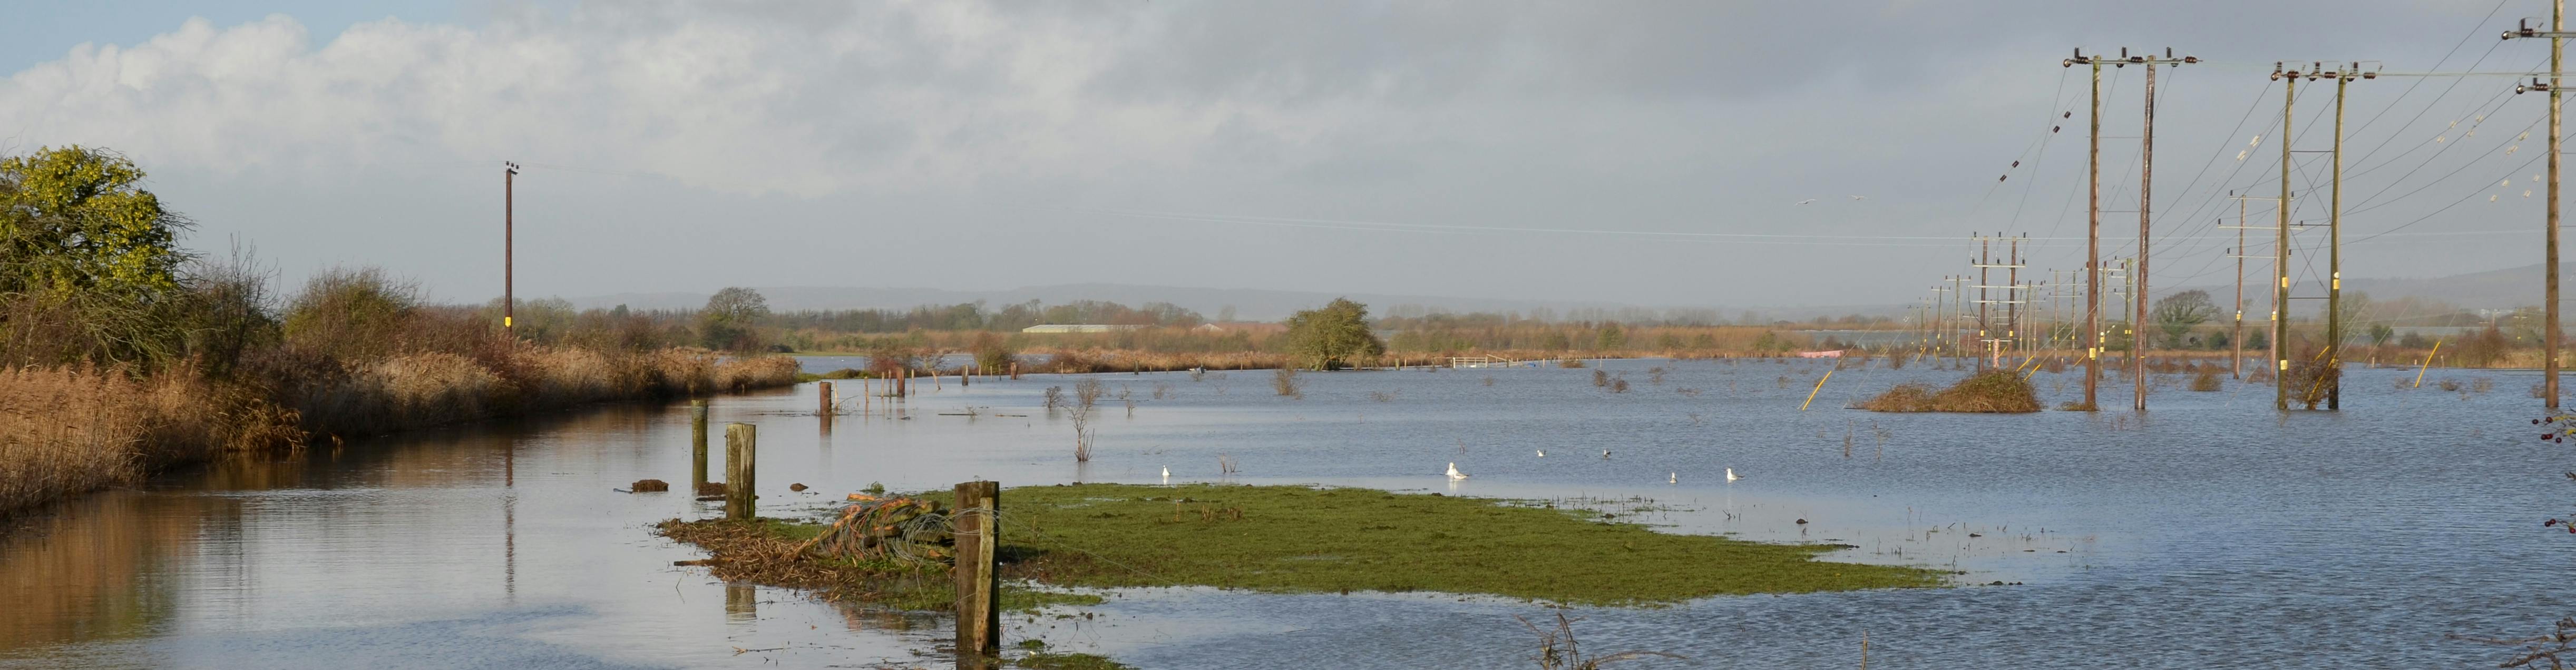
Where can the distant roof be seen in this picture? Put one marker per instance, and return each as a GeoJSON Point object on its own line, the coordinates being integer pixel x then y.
{"type": "Point", "coordinates": [1244, 326]}
{"type": "Point", "coordinates": [1077, 328]}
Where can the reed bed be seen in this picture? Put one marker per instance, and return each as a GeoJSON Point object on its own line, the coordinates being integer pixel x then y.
{"type": "Point", "coordinates": [65, 431]}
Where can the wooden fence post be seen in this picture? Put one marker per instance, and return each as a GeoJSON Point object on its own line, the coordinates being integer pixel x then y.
{"type": "Point", "coordinates": [697, 445]}
{"type": "Point", "coordinates": [976, 527]}
{"type": "Point", "coordinates": [823, 391]}
{"type": "Point", "coordinates": [742, 444]}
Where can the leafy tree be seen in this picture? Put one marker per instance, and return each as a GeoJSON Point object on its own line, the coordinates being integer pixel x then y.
{"type": "Point", "coordinates": [1555, 340]}
{"type": "Point", "coordinates": [2381, 333]}
{"type": "Point", "coordinates": [77, 219]}
{"type": "Point", "coordinates": [1334, 335]}
{"type": "Point", "coordinates": [730, 318]}
{"type": "Point", "coordinates": [2176, 315]}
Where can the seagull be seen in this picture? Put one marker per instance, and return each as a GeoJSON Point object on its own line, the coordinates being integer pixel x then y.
{"type": "Point", "coordinates": [1807, 201]}
{"type": "Point", "coordinates": [1167, 473]}
{"type": "Point", "coordinates": [1674, 478]}
{"type": "Point", "coordinates": [1730, 475]}
{"type": "Point", "coordinates": [1454, 474]}
{"type": "Point", "coordinates": [1858, 198]}
{"type": "Point", "coordinates": [1605, 453]}
{"type": "Point", "coordinates": [1542, 453]}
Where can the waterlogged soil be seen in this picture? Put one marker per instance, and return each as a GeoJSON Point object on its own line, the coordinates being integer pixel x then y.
{"type": "Point", "coordinates": [2209, 531]}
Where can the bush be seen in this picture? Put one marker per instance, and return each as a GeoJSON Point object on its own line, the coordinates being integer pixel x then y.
{"type": "Point", "coordinates": [2206, 379]}
{"type": "Point", "coordinates": [1992, 391]}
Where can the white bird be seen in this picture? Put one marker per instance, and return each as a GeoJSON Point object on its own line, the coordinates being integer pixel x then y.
{"type": "Point", "coordinates": [1674, 478]}
{"type": "Point", "coordinates": [1858, 198]}
{"type": "Point", "coordinates": [1454, 474]}
{"type": "Point", "coordinates": [1807, 201]}
{"type": "Point", "coordinates": [1167, 473]}
{"type": "Point", "coordinates": [1542, 453]}
{"type": "Point", "coordinates": [1605, 453]}
{"type": "Point", "coordinates": [1730, 475]}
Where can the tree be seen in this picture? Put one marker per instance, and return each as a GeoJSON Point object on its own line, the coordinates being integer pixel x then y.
{"type": "Point", "coordinates": [729, 319]}
{"type": "Point", "coordinates": [1334, 335]}
{"type": "Point", "coordinates": [76, 219]}
{"type": "Point", "coordinates": [2176, 315]}
{"type": "Point", "coordinates": [1611, 338]}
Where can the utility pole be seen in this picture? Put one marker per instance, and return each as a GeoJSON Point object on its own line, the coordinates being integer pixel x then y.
{"type": "Point", "coordinates": [2557, 35]}
{"type": "Point", "coordinates": [509, 262]}
{"type": "Point", "coordinates": [2343, 76]}
{"type": "Point", "coordinates": [2236, 358]}
{"type": "Point", "coordinates": [2240, 255]}
{"type": "Point", "coordinates": [2146, 200]}
{"type": "Point", "coordinates": [2281, 249]}
{"type": "Point", "coordinates": [1985, 249]}
{"type": "Point", "coordinates": [2092, 240]}
{"type": "Point", "coordinates": [2012, 310]}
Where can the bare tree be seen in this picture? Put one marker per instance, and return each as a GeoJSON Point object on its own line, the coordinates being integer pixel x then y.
{"type": "Point", "coordinates": [1085, 396]}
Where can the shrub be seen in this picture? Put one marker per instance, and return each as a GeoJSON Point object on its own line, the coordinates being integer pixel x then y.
{"type": "Point", "coordinates": [2206, 379]}
{"type": "Point", "coordinates": [1992, 391]}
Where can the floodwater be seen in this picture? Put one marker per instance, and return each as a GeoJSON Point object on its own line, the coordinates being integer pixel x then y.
{"type": "Point", "coordinates": [2211, 531]}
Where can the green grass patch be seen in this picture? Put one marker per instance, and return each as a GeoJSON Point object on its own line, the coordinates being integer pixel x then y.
{"type": "Point", "coordinates": [1299, 539]}
{"type": "Point", "coordinates": [1304, 539]}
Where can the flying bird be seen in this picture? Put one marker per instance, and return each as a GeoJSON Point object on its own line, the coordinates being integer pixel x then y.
{"type": "Point", "coordinates": [1454, 474]}
{"type": "Point", "coordinates": [1858, 198]}
{"type": "Point", "coordinates": [1542, 453]}
{"type": "Point", "coordinates": [1806, 201]}
{"type": "Point", "coordinates": [1605, 453]}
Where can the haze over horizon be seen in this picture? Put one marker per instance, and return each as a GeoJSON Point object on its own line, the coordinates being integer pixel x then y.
{"type": "Point", "coordinates": [1629, 154]}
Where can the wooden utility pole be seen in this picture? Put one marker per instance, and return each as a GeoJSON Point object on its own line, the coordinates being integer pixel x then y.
{"type": "Point", "coordinates": [1985, 251]}
{"type": "Point", "coordinates": [2557, 35]}
{"type": "Point", "coordinates": [2092, 241]}
{"type": "Point", "coordinates": [2343, 76]}
{"type": "Point", "coordinates": [2281, 248]}
{"type": "Point", "coordinates": [509, 234]}
{"type": "Point", "coordinates": [2236, 358]}
{"type": "Point", "coordinates": [2240, 255]}
{"type": "Point", "coordinates": [2146, 201]}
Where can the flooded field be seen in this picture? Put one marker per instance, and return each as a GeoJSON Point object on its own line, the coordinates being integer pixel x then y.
{"type": "Point", "coordinates": [2210, 531]}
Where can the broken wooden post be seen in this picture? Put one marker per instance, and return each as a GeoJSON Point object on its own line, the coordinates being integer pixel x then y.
{"type": "Point", "coordinates": [742, 443]}
{"type": "Point", "coordinates": [823, 392]}
{"type": "Point", "coordinates": [976, 528]}
{"type": "Point", "coordinates": [697, 444]}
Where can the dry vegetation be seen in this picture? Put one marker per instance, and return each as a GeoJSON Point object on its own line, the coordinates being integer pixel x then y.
{"type": "Point", "coordinates": [1992, 391]}
{"type": "Point", "coordinates": [354, 354]}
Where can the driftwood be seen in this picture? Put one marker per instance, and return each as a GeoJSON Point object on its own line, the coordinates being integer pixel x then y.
{"type": "Point", "coordinates": [898, 528]}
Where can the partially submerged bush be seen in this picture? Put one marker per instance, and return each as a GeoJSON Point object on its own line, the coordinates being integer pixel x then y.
{"type": "Point", "coordinates": [1992, 391]}
{"type": "Point", "coordinates": [2206, 379]}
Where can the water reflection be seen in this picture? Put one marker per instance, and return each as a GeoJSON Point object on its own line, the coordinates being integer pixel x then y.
{"type": "Point", "coordinates": [2219, 533]}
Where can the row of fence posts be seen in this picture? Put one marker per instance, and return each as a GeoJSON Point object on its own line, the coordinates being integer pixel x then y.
{"type": "Point", "coordinates": [973, 523]}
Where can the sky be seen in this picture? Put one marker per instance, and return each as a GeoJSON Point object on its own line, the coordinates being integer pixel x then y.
{"type": "Point", "coordinates": [1648, 153]}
